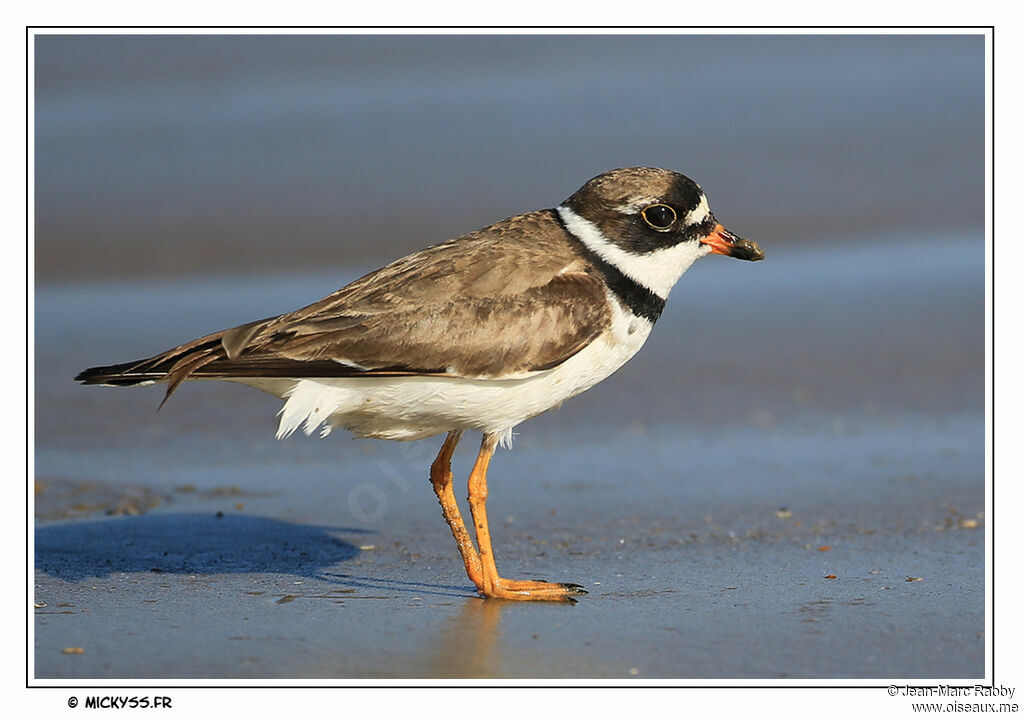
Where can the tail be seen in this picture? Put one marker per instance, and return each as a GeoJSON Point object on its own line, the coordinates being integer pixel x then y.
{"type": "Point", "coordinates": [127, 374]}
{"type": "Point", "coordinates": [228, 354]}
{"type": "Point", "coordinates": [173, 366]}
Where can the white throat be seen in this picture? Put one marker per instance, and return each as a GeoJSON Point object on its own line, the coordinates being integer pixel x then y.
{"type": "Point", "coordinates": [658, 270]}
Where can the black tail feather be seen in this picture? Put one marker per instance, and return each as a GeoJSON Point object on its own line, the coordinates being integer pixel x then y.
{"type": "Point", "coordinates": [127, 374]}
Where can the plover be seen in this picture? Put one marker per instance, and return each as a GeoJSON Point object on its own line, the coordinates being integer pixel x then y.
{"type": "Point", "coordinates": [479, 333]}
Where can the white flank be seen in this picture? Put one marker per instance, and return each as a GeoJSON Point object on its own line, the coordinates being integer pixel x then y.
{"type": "Point", "coordinates": [658, 270]}
{"type": "Point", "coordinates": [408, 408]}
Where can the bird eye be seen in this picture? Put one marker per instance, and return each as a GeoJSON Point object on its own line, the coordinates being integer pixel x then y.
{"type": "Point", "coordinates": [659, 216]}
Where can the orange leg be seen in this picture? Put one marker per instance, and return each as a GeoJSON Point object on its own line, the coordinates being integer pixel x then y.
{"type": "Point", "coordinates": [441, 479]}
{"type": "Point", "coordinates": [492, 585]}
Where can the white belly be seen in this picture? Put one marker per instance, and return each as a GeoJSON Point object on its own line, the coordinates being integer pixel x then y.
{"type": "Point", "coordinates": [407, 408]}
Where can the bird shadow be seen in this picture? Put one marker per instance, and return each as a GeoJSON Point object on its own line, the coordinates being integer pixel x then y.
{"type": "Point", "coordinates": [416, 587]}
{"type": "Point", "coordinates": [188, 543]}
{"type": "Point", "coordinates": [193, 543]}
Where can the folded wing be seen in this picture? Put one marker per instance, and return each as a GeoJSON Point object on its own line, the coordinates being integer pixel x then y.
{"type": "Point", "coordinates": [459, 309]}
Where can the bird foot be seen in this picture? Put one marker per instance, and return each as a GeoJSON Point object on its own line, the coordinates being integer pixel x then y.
{"type": "Point", "coordinates": [512, 590]}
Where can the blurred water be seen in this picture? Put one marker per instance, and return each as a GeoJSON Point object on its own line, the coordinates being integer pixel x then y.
{"type": "Point", "coordinates": [185, 154]}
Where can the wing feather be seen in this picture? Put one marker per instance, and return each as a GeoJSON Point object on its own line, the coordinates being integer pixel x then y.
{"type": "Point", "coordinates": [484, 305]}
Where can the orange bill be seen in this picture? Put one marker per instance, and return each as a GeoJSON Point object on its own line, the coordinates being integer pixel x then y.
{"type": "Point", "coordinates": [722, 241]}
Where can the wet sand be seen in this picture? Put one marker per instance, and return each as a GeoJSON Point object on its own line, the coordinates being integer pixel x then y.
{"type": "Point", "coordinates": [786, 482]}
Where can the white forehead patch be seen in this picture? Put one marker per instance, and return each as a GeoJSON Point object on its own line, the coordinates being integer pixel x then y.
{"type": "Point", "coordinates": [699, 213]}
